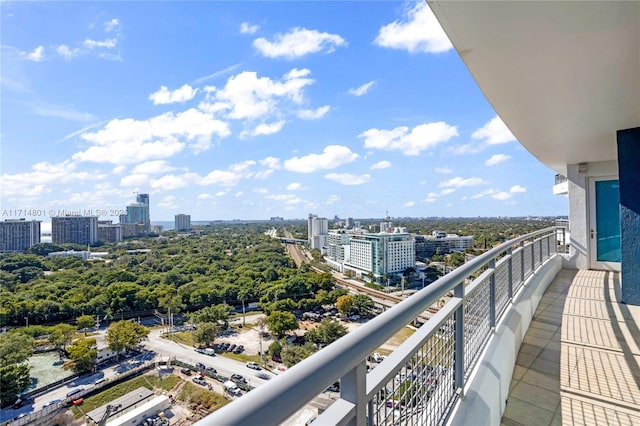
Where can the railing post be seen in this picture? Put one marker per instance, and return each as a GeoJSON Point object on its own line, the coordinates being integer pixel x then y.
{"type": "Point", "coordinates": [353, 389]}
{"type": "Point", "coordinates": [510, 273]}
{"type": "Point", "coordinates": [522, 262]}
{"type": "Point", "coordinates": [492, 294]}
{"type": "Point", "coordinates": [459, 340]}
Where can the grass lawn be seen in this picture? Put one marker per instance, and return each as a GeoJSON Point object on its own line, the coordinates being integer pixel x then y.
{"type": "Point", "coordinates": [182, 337]}
{"type": "Point", "coordinates": [149, 381]}
{"type": "Point", "coordinates": [201, 398]}
{"type": "Point", "coordinates": [240, 357]}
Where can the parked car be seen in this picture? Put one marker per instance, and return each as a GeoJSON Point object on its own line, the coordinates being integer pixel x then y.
{"type": "Point", "coordinates": [77, 401]}
{"type": "Point", "coordinates": [254, 366]}
{"type": "Point", "coordinates": [53, 402]}
{"type": "Point", "coordinates": [199, 380]}
{"type": "Point", "coordinates": [185, 371]}
{"type": "Point", "coordinates": [200, 366]}
{"type": "Point", "coordinates": [237, 378]}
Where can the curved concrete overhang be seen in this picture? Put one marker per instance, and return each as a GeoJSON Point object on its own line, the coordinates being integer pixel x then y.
{"type": "Point", "coordinates": [563, 76]}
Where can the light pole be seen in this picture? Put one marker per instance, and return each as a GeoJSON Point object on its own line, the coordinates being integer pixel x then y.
{"type": "Point", "coordinates": [27, 319]}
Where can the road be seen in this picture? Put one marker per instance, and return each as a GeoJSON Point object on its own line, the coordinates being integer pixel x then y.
{"type": "Point", "coordinates": [225, 366]}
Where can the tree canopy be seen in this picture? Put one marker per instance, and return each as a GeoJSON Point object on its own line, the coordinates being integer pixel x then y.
{"type": "Point", "coordinates": [125, 335]}
{"type": "Point", "coordinates": [280, 322]}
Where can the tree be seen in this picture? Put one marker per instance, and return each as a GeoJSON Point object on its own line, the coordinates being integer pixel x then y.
{"type": "Point", "coordinates": [362, 304]}
{"type": "Point", "coordinates": [15, 348]}
{"type": "Point", "coordinates": [243, 295]}
{"type": "Point", "coordinates": [61, 335]}
{"type": "Point", "coordinates": [217, 313]}
{"type": "Point", "coordinates": [84, 322]}
{"type": "Point", "coordinates": [83, 354]}
{"type": "Point", "coordinates": [291, 355]}
{"type": "Point", "coordinates": [14, 378]}
{"type": "Point", "coordinates": [280, 322]}
{"type": "Point", "coordinates": [275, 348]}
{"type": "Point", "coordinates": [125, 335]}
{"type": "Point", "coordinates": [327, 332]}
{"type": "Point", "coordinates": [206, 333]}
{"type": "Point", "coordinates": [344, 304]}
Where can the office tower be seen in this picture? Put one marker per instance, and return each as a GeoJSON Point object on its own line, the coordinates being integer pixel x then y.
{"type": "Point", "coordinates": [318, 228]}
{"type": "Point", "coordinates": [138, 213]}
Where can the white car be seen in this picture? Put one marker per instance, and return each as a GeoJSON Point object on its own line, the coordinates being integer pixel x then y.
{"type": "Point", "coordinates": [254, 366]}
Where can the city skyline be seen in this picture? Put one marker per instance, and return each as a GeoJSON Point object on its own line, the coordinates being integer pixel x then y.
{"type": "Point", "coordinates": [252, 110]}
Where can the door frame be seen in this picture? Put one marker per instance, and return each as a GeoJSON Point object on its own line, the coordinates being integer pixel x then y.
{"type": "Point", "coordinates": [592, 233]}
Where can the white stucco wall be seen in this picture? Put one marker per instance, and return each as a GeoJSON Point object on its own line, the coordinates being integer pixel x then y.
{"type": "Point", "coordinates": [578, 257]}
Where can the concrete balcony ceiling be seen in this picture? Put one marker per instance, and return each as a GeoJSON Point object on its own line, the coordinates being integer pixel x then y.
{"type": "Point", "coordinates": [563, 76]}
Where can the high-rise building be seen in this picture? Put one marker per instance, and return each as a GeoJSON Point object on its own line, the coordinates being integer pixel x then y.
{"type": "Point", "coordinates": [318, 228]}
{"type": "Point", "coordinates": [182, 222]}
{"type": "Point", "coordinates": [381, 254]}
{"type": "Point", "coordinates": [138, 213]}
{"type": "Point", "coordinates": [18, 235]}
{"type": "Point", "coordinates": [109, 232]}
{"type": "Point", "coordinates": [74, 229]}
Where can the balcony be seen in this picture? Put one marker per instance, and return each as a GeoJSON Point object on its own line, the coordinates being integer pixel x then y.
{"type": "Point", "coordinates": [579, 362]}
{"type": "Point", "coordinates": [561, 185]}
{"type": "Point", "coordinates": [451, 367]}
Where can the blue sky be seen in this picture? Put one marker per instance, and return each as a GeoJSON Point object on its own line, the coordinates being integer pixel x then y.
{"type": "Point", "coordinates": [248, 110]}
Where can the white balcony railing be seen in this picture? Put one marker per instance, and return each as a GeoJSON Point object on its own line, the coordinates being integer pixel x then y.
{"type": "Point", "coordinates": [420, 382]}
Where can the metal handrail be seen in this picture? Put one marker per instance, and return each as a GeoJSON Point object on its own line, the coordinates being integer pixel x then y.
{"type": "Point", "coordinates": [277, 400]}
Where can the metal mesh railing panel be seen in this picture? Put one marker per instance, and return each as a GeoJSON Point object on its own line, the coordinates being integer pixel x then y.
{"type": "Point", "coordinates": [477, 323]}
{"type": "Point", "coordinates": [423, 390]}
{"type": "Point", "coordinates": [536, 253]}
{"type": "Point", "coordinates": [516, 262]}
{"type": "Point", "coordinates": [528, 266]}
{"type": "Point", "coordinates": [502, 288]}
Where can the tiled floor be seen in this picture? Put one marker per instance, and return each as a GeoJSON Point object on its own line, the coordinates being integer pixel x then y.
{"type": "Point", "coordinates": [579, 363]}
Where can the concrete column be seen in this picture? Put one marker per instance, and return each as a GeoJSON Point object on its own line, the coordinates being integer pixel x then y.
{"type": "Point", "coordinates": [629, 172]}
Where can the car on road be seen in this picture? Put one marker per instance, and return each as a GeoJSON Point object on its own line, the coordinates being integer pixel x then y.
{"type": "Point", "coordinates": [254, 366]}
{"type": "Point", "coordinates": [237, 378]}
{"type": "Point", "coordinates": [53, 402]}
{"type": "Point", "coordinates": [262, 375]}
{"type": "Point", "coordinates": [211, 369]}
{"type": "Point", "coordinates": [22, 401]}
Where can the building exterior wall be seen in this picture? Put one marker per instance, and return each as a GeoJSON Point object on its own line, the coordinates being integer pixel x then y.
{"type": "Point", "coordinates": [109, 232]}
{"type": "Point", "coordinates": [579, 252]}
{"type": "Point", "coordinates": [18, 235]}
{"type": "Point", "coordinates": [81, 230]}
{"type": "Point", "coordinates": [182, 222]}
{"type": "Point", "coordinates": [318, 228]}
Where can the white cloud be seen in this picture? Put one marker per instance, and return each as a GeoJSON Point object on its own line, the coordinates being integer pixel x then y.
{"type": "Point", "coordinates": [333, 199]}
{"type": "Point", "coordinates": [433, 196]}
{"type": "Point", "coordinates": [333, 156]}
{"type": "Point", "coordinates": [293, 186]}
{"type": "Point", "coordinates": [443, 170]}
{"type": "Point", "coordinates": [168, 202]}
{"type": "Point", "coordinates": [310, 114]}
{"type": "Point", "coordinates": [204, 196]}
{"type": "Point", "coordinates": [153, 167]}
{"type": "Point", "coordinates": [126, 141]}
{"type": "Point", "coordinates": [247, 28]}
{"type": "Point", "coordinates": [348, 178]}
{"type": "Point", "coordinates": [135, 180]}
{"type": "Point", "coordinates": [109, 43]}
{"type": "Point", "coordinates": [502, 196]}
{"type": "Point", "coordinates": [288, 199]}
{"type": "Point", "coordinates": [409, 204]}
{"type": "Point", "coordinates": [361, 90]}
{"type": "Point", "coordinates": [458, 182]}
{"type": "Point", "coordinates": [517, 188]}
{"type": "Point", "coordinates": [66, 52]}
{"type": "Point", "coordinates": [247, 96]}
{"type": "Point", "coordinates": [298, 42]}
{"type": "Point", "coordinates": [111, 25]}
{"type": "Point", "coordinates": [384, 164]}
{"type": "Point", "coordinates": [118, 170]}
{"type": "Point", "coordinates": [494, 132]}
{"type": "Point", "coordinates": [467, 148]}
{"type": "Point", "coordinates": [171, 182]}
{"type": "Point", "coordinates": [264, 129]}
{"type": "Point", "coordinates": [260, 190]}
{"type": "Point", "coordinates": [271, 162]}
{"type": "Point", "coordinates": [37, 55]}
{"type": "Point", "coordinates": [420, 138]}
{"type": "Point", "coordinates": [43, 175]}
{"type": "Point", "coordinates": [496, 159]}
{"type": "Point", "coordinates": [165, 96]}
{"type": "Point", "coordinates": [417, 31]}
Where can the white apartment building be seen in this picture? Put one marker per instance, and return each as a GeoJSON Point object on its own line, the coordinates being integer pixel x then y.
{"type": "Point", "coordinates": [18, 235]}
{"type": "Point", "coordinates": [318, 229]}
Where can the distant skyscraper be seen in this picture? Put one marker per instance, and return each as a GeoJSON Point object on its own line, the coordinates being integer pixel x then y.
{"type": "Point", "coordinates": [138, 212]}
{"type": "Point", "coordinates": [318, 229]}
{"type": "Point", "coordinates": [74, 229]}
{"type": "Point", "coordinates": [18, 235]}
{"type": "Point", "coordinates": [182, 222]}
